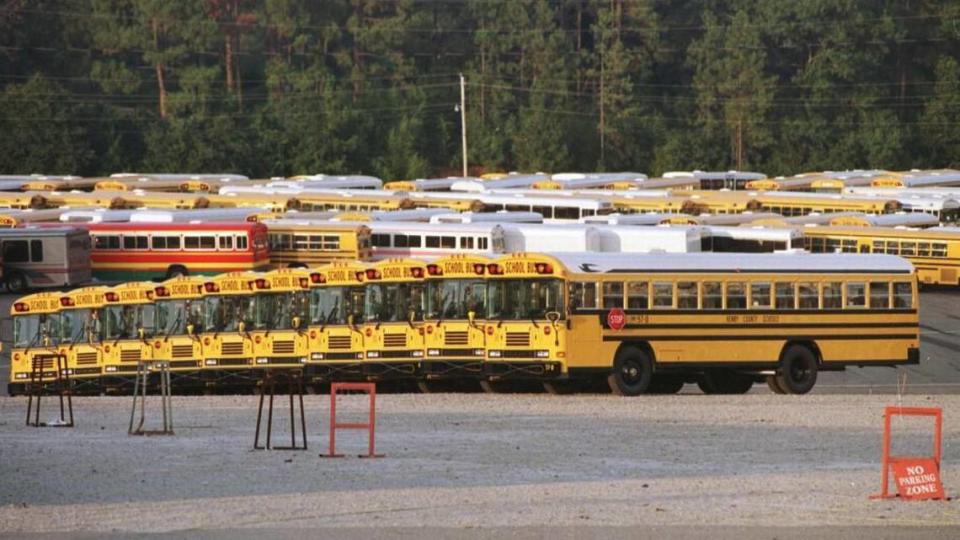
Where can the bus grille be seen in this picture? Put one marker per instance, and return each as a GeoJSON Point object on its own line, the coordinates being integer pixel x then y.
{"type": "Point", "coordinates": [86, 358]}
{"type": "Point", "coordinates": [130, 355]}
{"type": "Point", "coordinates": [339, 342]}
{"type": "Point", "coordinates": [232, 348]}
{"type": "Point", "coordinates": [394, 340]}
{"type": "Point", "coordinates": [282, 347]}
{"type": "Point", "coordinates": [518, 339]}
{"type": "Point", "coordinates": [45, 362]}
{"type": "Point", "coordinates": [455, 338]}
{"type": "Point", "coordinates": [182, 351]}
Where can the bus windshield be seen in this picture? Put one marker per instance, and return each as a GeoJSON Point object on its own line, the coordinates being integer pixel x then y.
{"type": "Point", "coordinates": [275, 311]}
{"type": "Point", "coordinates": [173, 316]}
{"type": "Point", "coordinates": [30, 330]}
{"type": "Point", "coordinates": [124, 321]}
{"type": "Point", "coordinates": [524, 299]}
{"type": "Point", "coordinates": [393, 302]}
{"type": "Point", "coordinates": [454, 298]}
{"type": "Point", "coordinates": [224, 313]}
{"type": "Point", "coordinates": [334, 305]}
{"type": "Point", "coordinates": [78, 325]}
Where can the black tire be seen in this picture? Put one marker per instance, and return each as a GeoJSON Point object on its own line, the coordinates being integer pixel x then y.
{"type": "Point", "coordinates": [774, 385]}
{"type": "Point", "coordinates": [666, 384]}
{"type": "Point", "coordinates": [560, 388]}
{"type": "Point", "coordinates": [632, 372]}
{"type": "Point", "coordinates": [176, 271]}
{"type": "Point", "coordinates": [798, 370]}
{"type": "Point", "coordinates": [724, 381]}
{"type": "Point", "coordinates": [16, 282]}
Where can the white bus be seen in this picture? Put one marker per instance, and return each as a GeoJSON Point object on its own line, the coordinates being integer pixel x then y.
{"type": "Point", "coordinates": [429, 240]}
{"type": "Point", "coordinates": [44, 257]}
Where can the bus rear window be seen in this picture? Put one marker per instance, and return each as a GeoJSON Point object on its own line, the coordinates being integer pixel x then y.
{"type": "Point", "coordinates": [879, 295]}
{"type": "Point", "coordinates": [902, 295]}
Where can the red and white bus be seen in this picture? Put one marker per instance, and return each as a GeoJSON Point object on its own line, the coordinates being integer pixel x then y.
{"type": "Point", "coordinates": [137, 251]}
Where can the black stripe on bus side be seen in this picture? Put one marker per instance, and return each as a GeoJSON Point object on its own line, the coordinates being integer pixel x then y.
{"type": "Point", "coordinates": [905, 325]}
{"type": "Point", "coordinates": [762, 337]}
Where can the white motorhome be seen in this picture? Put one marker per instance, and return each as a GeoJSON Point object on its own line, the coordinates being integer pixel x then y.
{"type": "Point", "coordinates": [44, 257]}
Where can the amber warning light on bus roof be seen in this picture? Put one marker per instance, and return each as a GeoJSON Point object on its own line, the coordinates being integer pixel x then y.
{"type": "Point", "coordinates": [479, 269]}
{"type": "Point", "coordinates": [416, 272]}
{"type": "Point", "coordinates": [304, 283]}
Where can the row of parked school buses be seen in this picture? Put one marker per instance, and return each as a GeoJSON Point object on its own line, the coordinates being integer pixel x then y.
{"type": "Point", "coordinates": [639, 323]}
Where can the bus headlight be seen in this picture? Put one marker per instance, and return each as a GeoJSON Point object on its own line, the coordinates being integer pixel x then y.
{"type": "Point", "coordinates": [478, 352]}
{"type": "Point", "coordinates": [542, 354]}
{"type": "Point", "coordinates": [209, 362]}
{"type": "Point", "coordinates": [417, 354]}
{"type": "Point", "coordinates": [303, 359]}
{"type": "Point", "coordinates": [494, 354]}
{"type": "Point", "coordinates": [262, 360]}
{"type": "Point", "coordinates": [110, 369]}
{"type": "Point", "coordinates": [20, 376]}
{"type": "Point", "coordinates": [316, 356]}
{"type": "Point", "coordinates": [433, 352]}
{"type": "Point", "coordinates": [373, 354]}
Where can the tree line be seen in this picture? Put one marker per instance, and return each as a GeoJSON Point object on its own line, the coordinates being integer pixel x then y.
{"type": "Point", "coordinates": [282, 87]}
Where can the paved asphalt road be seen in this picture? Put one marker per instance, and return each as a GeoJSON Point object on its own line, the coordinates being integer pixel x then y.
{"type": "Point", "coordinates": [938, 372]}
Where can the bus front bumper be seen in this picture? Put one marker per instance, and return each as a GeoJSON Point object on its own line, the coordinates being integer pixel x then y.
{"type": "Point", "coordinates": [521, 364]}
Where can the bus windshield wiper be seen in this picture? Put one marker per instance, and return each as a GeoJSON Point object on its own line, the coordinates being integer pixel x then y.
{"type": "Point", "coordinates": [326, 320]}
{"type": "Point", "coordinates": [176, 323]}
{"type": "Point", "coordinates": [443, 307]}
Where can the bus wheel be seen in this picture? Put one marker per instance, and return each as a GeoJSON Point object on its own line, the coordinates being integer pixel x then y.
{"type": "Point", "coordinates": [16, 283]}
{"type": "Point", "coordinates": [798, 370]}
{"type": "Point", "coordinates": [774, 385]}
{"type": "Point", "coordinates": [176, 271]}
{"type": "Point", "coordinates": [560, 388]}
{"type": "Point", "coordinates": [665, 384]}
{"type": "Point", "coordinates": [632, 372]}
{"type": "Point", "coordinates": [724, 381]}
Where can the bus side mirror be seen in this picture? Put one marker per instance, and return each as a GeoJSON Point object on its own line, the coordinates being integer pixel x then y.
{"type": "Point", "coordinates": [350, 319]}
{"type": "Point", "coordinates": [190, 329]}
{"type": "Point", "coordinates": [553, 316]}
{"type": "Point", "coordinates": [471, 316]}
{"type": "Point", "coordinates": [141, 333]}
{"type": "Point", "coordinates": [295, 321]}
{"type": "Point", "coordinates": [411, 314]}
{"type": "Point", "coordinates": [241, 326]}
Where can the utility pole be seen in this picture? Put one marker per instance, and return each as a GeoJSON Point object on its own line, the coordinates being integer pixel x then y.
{"type": "Point", "coordinates": [463, 120]}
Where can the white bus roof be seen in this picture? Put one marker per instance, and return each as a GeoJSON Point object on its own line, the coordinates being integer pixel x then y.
{"type": "Point", "coordinates": [732, 262]}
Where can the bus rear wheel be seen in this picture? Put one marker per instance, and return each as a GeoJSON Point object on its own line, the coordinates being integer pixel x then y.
{"type": "Point", "coordinates": [724, 381]}
{"type": "Point", "coordinates": [632, 372]}
{"type": "Point", "coordinates": [798, 370]}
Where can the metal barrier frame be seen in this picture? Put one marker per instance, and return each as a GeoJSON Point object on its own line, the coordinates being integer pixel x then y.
{"type": "Point", "coordinates": [371, 390]}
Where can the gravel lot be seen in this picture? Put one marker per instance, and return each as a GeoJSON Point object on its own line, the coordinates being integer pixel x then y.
{"type": "Point", "coordinates": [475, 465]}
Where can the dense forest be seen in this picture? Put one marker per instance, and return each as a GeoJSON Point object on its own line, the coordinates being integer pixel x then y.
{"type": "Point", "coordinates": [281, 87]}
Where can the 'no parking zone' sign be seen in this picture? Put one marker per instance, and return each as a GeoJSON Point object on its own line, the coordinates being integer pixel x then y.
{"type": "Point", "coordinates": [917, 479]}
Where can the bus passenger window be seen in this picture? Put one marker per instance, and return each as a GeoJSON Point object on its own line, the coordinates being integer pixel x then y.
{"type": "Point", "coordinates": [482, 243]}
{"type": "Point", "coordinates": [784, 295]}
{"type": "Point", "coordinates": [134, 242]}
{"type": "Point", "coordinates": [893, 247]}
{"type": "Point", "coordinates": [583, 296]}
{"type": "Point", "coordinates": [613, 294]}
{"type": "Point", "coordinates": [36, 250]}
{"type": "Point", "coordinates": [908, 249]}
{"type": "Point", "coordinates": [760, 295]}
{"type": "Point", "coordinates": [330, 243]}
{"type": "Point", "coordinates": [226, 242]}
{"type": "Point", "coordinates": [736, 295]}
{"type": "Point", "coordinates": [687, 295]}
{"type": "Point", "coordinates": [466, 242]}
{"type": "Point", "coordinates": [400, 240]}
{"type": "Point", "coordinates": [712, 295]}
{"type": "Point", "coordinates": [902, 296]}
{"type": "Point", "coordinates": [638, 295]}
{"type": "Point", "coordinates": [879, 247]}
{"type": "Point", "coordinates": [662, 294]}
{"type": "Point", "coordinates": [545, 211]}
{"type": "Point", "coordinates": [856, 295]}
{"type": "Point", "coordinates": [879, 295]}
{"type": "Point", "coordinates": [380, 240]}
{"type": "Point", "coordinates": [564, 212]}
{"type": "Point", "coordinates": [809, 296]}
{"type": "Point", "coordinates": [833, 295]}
{"type": "Point", "coordinates": [923, 249]}
{"type": "Point", "coordinates": [241, 243]}
{"type": "Point", "coordinates": [938, 250]}
{"type": "Point", "coordinates": [15, 251]}
{"type": "Point", "coordinates": [106, 242]}
{"type": "Point", "coordinates": [414, 241]}
{"type": "Point", "coordinates": [448, 242]}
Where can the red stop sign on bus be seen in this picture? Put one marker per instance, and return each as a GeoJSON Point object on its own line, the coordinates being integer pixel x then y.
{"type": "Point", "coordinates": [616, 319]}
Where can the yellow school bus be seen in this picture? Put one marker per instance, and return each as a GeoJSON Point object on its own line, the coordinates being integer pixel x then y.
{"type": "Point", "coordinates": [301, 244]}
{"type": "Point", "coordinates": [127, 328]}
{"type": "Point", "coordinates": [934, 252]}
{"type": "Point", "coordinates": [721, 202]}
{"type": "Point", "coordinates": [393, 318]}
{"type": "Point", "coordinates": [275, 203]}
{"type": "Point", "coordinates": [229, 315]}
{"type": "Point", "coordinates": [806, 203]}
{"type": "Point", "coordinates": [352, 201]}
{"type": "Point", "coordinates": [36, 335]}
{"type": "Point", "coordinates": [281, 312]}
{"type": "Point", "coordinates": [454, 311]}
{"type": "Point", "coordinates": [336, 313]}
{"type": "Point", "coordinates": [661, 205]}
{"type": "Point", "coordinates": [651, 322]}
{"type": "Point", "coordinates": [179, 308]}
{"type": "Point", "coordinates": [155, 199]}
{"type": "Point", "coordinates": [23, 201]}
{"type": "Point", "coordinates": [81, 336]}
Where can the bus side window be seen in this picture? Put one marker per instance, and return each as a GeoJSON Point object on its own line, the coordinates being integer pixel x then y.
{"type": "Point", "coordinates": [613, 294]}
{"type": "Point", "coordinates": [833, 295]}
{"type": "Point", "coordinates": [760, 295]}
{"type": "Point", "coordinates": [15, 251]}
{"type": "Point", "coordinates": [466, 242]}
{"type": "Point", "coordinates": [785, 296]}
{"type": "Point", "coordinates": [856, 292]}
{"type": "Point", "coordinates": [736, 295]}
{"type": "Point", "coordinates": [712, 295]}
{"type": "Point", "coordinates": [662, 294]}
{"type": "Point", "coordinates": [241, 243]}
{"type": "Point", "coordinates": [879, 295]}
{"type": "Point", "coordinates": [380, 240]}
{"type": "Point", "coordinates": [902, 295]}
{"type": "Point", "coordinates": [809, 295]}
{"type": "Point", "coordinates": [583, 295]}
{"type": "Point", "coordinates": [482, 243]}
{"type": "Point", "coordinates": [414, 241]}
{"type": "Point", "coordinates": [879, 246]}
{"type": "Point", "coordinates": [638, 295]}
{"type": "Point", "coordinates": [938, 250]}
{"type": "Point", "coordinates": [226, 242]}
{"type": "Point", "coordinates": [400, 240]}
{"type": "Point", "coordinates": [448, 242]}
{"type": "Point", "coordinates": [923, 249]}
{"type": "Point", "coordinates": [36, 250]}
{"type": "Point", "coordinates": [687, 295]}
